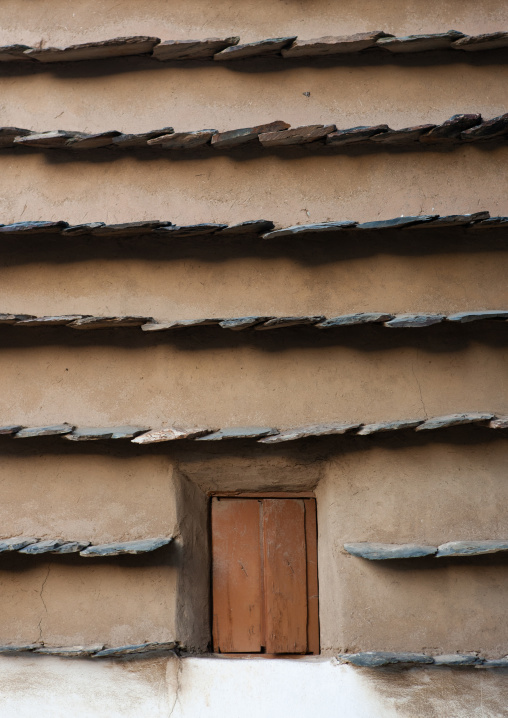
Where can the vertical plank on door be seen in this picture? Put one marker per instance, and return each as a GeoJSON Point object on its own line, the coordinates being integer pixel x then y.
{"type": "Point", "coordinates": [285, 575]}
{"type": "Point", "coordinates": [236, 575]}
{"type": "Point", "coordinates": [312, 576]}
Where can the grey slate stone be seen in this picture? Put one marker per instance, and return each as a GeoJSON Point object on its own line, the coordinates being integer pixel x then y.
{"type": "Point", "coordinates": [29, 228]}
{"type": "Point", "coordinates": [71, 547]}
{"type": "Point", "coordinates": [35, 431]}
{"type": "Point", "coordinates": [69, 651]}
{"type": "Point", "coordinates": [451, 129]}
{"type": "Point", "coordinates": [126, 547]}
{"type": "Point", "coordinates": [397, 222]}
{"type": "Point", "coordinates": [388, 551]}
{"type": "Point", "coordinates": [260, 48]}
{"type": "Point", "coordinates": [489, 129]}
{"type": "Point", "coordinates": [14, 53]}
{"type": "Point", "coordinates": [117, 47]}
{"type": "Point", "coordinates": [136, 649]}
{"type": "Point", "coordinates": [9, 430]}
{"type": "Point", "coordinates": [354, 135]}
{"type": "Point", "coordinates": [108, 322]}
{"type": "Point", "coordinates": [420, 43]}
{"type": "Point", "coordinates": [334, 45]}
{"type": "Point", "coordinates": [496, 663]}
{"type": "Point", "coordinates": [57, 321]}
{"type": "Point", "coordinates": [128, 228]}
{"type": "Point", "coordinates": [240, 323]}
{"type": "Point", "coordinates": [239, 432]}
{"type": "Point", "coordinates": [348, 320]}
{"type": "Point", "coordinates": [253, 226]}
{"type": "Point", "coordinates": [443, 422]}
{"type": "Point", "coordinates": [304, 432]}
{"type": "Point", "coordinates": [94, 141]}
{"type": "Point", "coordinates": [456, 659]}
{"type": "Point", "coordinates": [374, 659]}
{"type": "Point", "coordinates": [157, 435]}
{"type": "Point", "coordinates": [464, 317]}
{"type": "Point", "coordinates": [236, 138]}
{"type": "Point", "coordinates": [154, 326]}
{"type": "Point", "coordinates": [191, 230]}
{"type": "Point", "coordinates": [399, 425]}
{"type": "Point", "coordinates": [46, 546]}
{"type": "Point", "coordinates": [298, 230]}
{"type": "Point", "coordinates": [192, 49]}
{"type": "Point", "coordinates": [56, 139]}
{"type": "Point", "coordinates": [499, 422]}
{"type": "Point", "coordinates": [470, 548]}
{"type": "Point", "coordinates": [14, 318]}
{"type": "Point", "coordinates": [16, 543]}
{"type": "Point", "coordinates": [139, 141]}
{"type": "Point", "coordinates": [492, 223]}
{"type": "Point", "coordinates": [414, 320]}
{"type": "Point", "coordinates": [77, 230]}
{"type": "Point", "coordinates": [98, 433]}
{"type": "Point", "coordinates": [9, 134]}
{"type": "Point", "coordinates": [281, 322]}
{"type": "Point", "coordinates": [182, 140]}
{"type": "Point", "coordinates": [405, 136]}
{"type": "Point", "coordinates": [296, 136]}
{"type": "Point", "coordinates": [458, 220]}
{"type": "Point", "coordinates": [487, 41]}
{"type": "Point", "coordinates": [19, 649]}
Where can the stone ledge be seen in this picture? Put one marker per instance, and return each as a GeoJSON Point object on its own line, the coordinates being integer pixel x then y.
{"type": "Point", "coordinates": [35, 546]}
{"type": "Point", "coordinates": [389, 551]}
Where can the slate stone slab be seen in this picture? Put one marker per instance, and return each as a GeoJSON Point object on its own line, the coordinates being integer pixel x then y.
{"type": "Point", "coordinates": [117, 47]}
{"type": "Point", "coordinates": [451, 129]}
{"type": "Point", "coordinates": [128, 229]}
{"type": "Point", "coordinates": [387, 551]}
{"type": "Point", "coordinates": [442, 422]}
{"type": "Point", "coordinates": [465, 317]}
{"type": "Point", "coordinates": [497, 127]}
{"type": "Point", "coordinates": [304, 432]}
{"type": "Point", "coordinates": [191, 230]}
{"type": "Point", "coordinates": [348, 320]}
{"type": "Point", "coordinates": [374, 659]}
{"type": "Point", "coordinates": [236, 138]}
{"type": "Point", "coordinates": [420, 43]}
{"type": "Point", "coordinates": [492, 223]}
{"type": "Point", "coordinates": [112, 432]}
{"type": "Point", "coordinates": [92, 142]}
{"type": "Point", "coordinates": [330, 45]}
{"type": "Point", "coordinates": [500, 422]}
{"type": "Point", "coordinates": [496, 663]}
{"type": "Point", "coordinates": [240, 323]}
{"type": "Point", "coordinates": [459, 220]}
{"type": "Point", "coordinates": [282, 322]}
{"type": "Point", "coordinates": [36, 431]}
{"type": "Point", "coordinates": [470, 548]}
{"type": "Point", "coordinates": [71, 547]}
{"type": "Point", "coordinates": [154, 326]}
{"type": "Point", "coordinates": [9, 134]}
{"type": "Point", "coordinates": [457, 659]}
{"type": "Point", "coordinates": [299, 230]}
{"type": "Point", "coordinates": [54, 140]}
{"type": "Point", "coordinates": [19, 649]}
{"type": "Point", "coordinates": [139, 141]}
{"type": "Point", "coordinates": [355, 134]}
{"type": "Point", "coordinates": [487, 41]}
{"type": "Point", "coordinates": [14, 53]}
{"type": "Point", "coordinates": [47, 546]}
{"type": "Point", "coordinates": [56, 321]}
{"type": "Point", "coordinates": [296, 136]}
{"type": "Point", "coordinates": [182, 140]}
{"type": "Point", "coordinates": [136, 649]}
{"type": "Point", "coordinates": [9, 430]}
{"type": "Point", "coordinates": [16, 543]}
{"type": "Point", "coordinates": [239, 432]}
{"type": "Point", "coordinates": [399, 425]}
{"type": "Point", "coordinates": [78, 230]}
{"type": "Point", "coordinates": [69, 651]}
{"type": "Point", "coordinates": [192, 49]}
{"type": "Point", "coordinates": [126, 547]}
{"type": "Point", "coordinates": [302, 230]}
{"type": "Point", "coordinates": [14, 318]}
{"type": "Point", "coordinates": [171, 434]}
{"type": "Point", "coordinates": [260, 48]}
{"type": "Point", "coordinates": [397, 222]}
{"type": "Point", "coordinates": [409, 321]}
{"type": "Point", "coordinates": [29, 228]}
{"type": "Point", "coordinates": [108, 322]}
{"type": "Point", "coordinates": [405, 136]}
{"type": "Point", "coordinates": [253, 226]}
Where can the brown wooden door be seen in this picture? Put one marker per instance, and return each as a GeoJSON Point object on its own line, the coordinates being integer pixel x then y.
{"type": "Point", "coordinates": [264, 575]}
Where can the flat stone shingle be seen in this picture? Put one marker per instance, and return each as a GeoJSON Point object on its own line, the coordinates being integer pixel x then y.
{"type": "Point", "coordinates": [117, 47]}
{"type": "Point", "coordinates": [126, 547]}
{"type": "Point", "coordinates": [37, 431]}
{"type": "Point", "coordinates": [110, 432]}
{"type": "Point", "coordinates": [420, 43]}
{"type": "Point", "coordinates": [236, 138]}
{"type": "Point", "coordinates": [387, 551]}
{"type": "Point", "coordinates": [136, 649]}
{"type": "Point", "coordinates": [171, 50]}
{"type": "Point", "coordinates": [348, 320]}
{"type": "Point", "coordinates": [296, 136]}
{"type": "Point", "coordinates": [354, 135]}
{"type": "Point", "coordinates": [156, 436]}
{"type": "Point", "coordinates": [239, 432]}
{"type": "Point", "coordinates": [374, 659]}
{"type": "Point", "coordinates": [399, 425]}
{"type": "Point", "coordinates": [302, 230]}
{"type": "Point", "coordinates": [330, 45]}
{"type": "Point", "coordinates": [471, 548]}
{"type": "Point", "coordinates": [487, 41]}
{"type": "Point", "coordinates": [260, 48]}
{"type": "Point", "coordinates": [404, 321]}
{"type": "Point", "coordinates": [182, 140]}
{"type": "Point", "coordinates": [303, 432]}
{"type": "Point", "coordinates": [442, 422]}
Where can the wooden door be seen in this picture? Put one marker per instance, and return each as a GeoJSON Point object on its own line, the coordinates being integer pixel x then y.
{"type": "Point", "coordinates": [264, 575]}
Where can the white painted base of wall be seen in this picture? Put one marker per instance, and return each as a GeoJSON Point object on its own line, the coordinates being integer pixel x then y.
{"type": "Point", "coordinates": [229, 688]}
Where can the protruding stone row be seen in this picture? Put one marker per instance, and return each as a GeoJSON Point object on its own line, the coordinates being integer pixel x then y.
{"type": "Point", "coordinates": [263, 434]}
{"type": "Point", "coordinates": [459, 129]}
{"type": "Point", "coordinates": [378, 659]}
{"type": "Point", "coordinates": [35, 546]}
{"type": "Point", "coordinates": [228, 48]}
{"type": "Point", "coordinates": [162, 230]}
{"type": "Point", "coordinates": [389, 551]}
{"type": "Point", "coordinates": [96, 651]}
